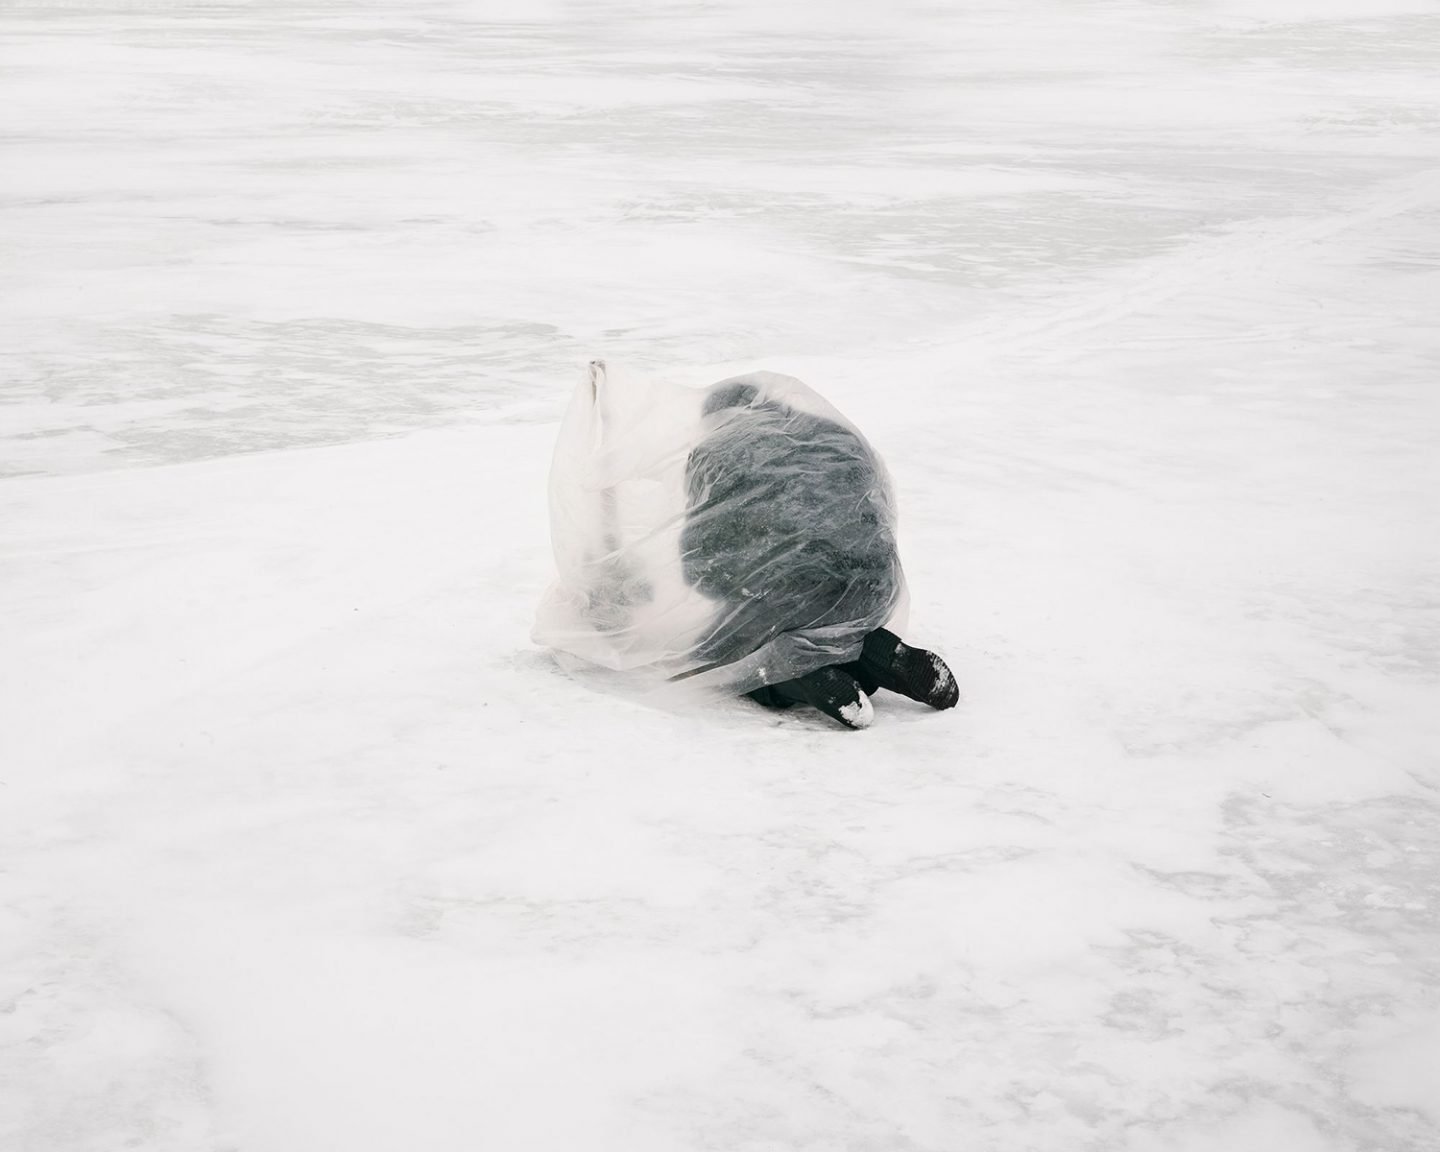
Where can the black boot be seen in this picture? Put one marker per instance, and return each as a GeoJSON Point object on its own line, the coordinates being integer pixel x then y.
{"type": "Point", "coordinates": [886, 662]}
{"type": "Point", "coordinates": [831, 690]}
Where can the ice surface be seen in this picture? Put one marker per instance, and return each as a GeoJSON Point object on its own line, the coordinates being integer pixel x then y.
{"type": "Point", "coordinates": [303, 846]}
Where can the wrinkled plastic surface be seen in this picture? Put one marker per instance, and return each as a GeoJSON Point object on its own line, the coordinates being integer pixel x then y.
{"type": "Point", "coordinates": [727, 537]}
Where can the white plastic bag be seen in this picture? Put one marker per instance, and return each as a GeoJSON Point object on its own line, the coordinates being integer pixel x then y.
{"type": "Point", "coordinates": [727, 537]}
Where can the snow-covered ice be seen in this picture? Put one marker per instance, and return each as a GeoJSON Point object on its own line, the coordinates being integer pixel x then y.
{"type": "Point", "coordinates": [304, 846]}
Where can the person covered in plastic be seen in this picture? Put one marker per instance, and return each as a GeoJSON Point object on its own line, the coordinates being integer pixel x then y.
{"type": "Point", "coordinates": [766, 567]}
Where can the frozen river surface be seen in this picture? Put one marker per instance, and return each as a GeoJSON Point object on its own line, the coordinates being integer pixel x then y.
{"type": "Point", "coordinates": [304, 846]}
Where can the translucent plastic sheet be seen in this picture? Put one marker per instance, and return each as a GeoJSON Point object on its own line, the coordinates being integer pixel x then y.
{"type": "Point", "coordinates": [726, 537]}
